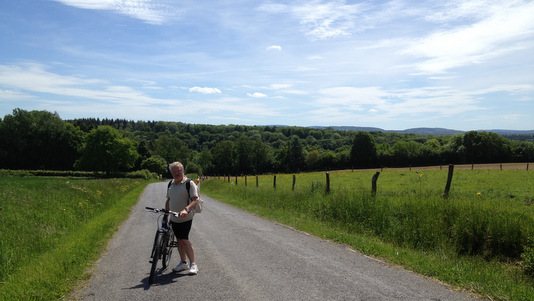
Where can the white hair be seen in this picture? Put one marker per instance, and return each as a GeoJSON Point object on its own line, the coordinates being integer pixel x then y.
{"type": "Point", "coordinates": [175, 164]}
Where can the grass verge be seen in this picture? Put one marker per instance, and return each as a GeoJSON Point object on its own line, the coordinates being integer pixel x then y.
{"type": "Point", "coordinates": [65, 245]}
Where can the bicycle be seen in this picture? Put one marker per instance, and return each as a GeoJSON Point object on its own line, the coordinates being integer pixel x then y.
{"type": "Point", "coordinates": [163, 243]}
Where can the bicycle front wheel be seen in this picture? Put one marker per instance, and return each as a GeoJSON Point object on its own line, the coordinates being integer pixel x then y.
{"type": "Point", "coordinates": [167, 249]}
{"type": "Point", "coordinates": [158, 246]}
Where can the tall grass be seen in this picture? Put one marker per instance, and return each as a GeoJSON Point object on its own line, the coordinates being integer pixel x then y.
{"type": "Point", "coordinates": [52, 229]}
{"type": "Point", "coordinates": [487, 221]}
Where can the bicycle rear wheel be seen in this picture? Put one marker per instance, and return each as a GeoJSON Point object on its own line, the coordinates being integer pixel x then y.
{"type": "Point", "coordinates": [158, 246]}
{"type": "Point", "coordinates": [167, 249]}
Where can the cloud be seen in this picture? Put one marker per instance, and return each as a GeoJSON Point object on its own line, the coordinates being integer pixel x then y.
{"type": "Point", "coordinates": [274, 47]}
{"type": "Point", "coordinates": [501, 28]}
{"type": "Point", "coordinates": [320, 20]}
{"type": "Point", "coordinates": [34, 78]}
{"type": "Point", "coordinates": [205, 90]}
{"type": "Point", "coordinates": [151, 11]}
{"type": "Point", "coordinates": [256, 95]}
{"type": "Point", "coordinates": [345, 104]}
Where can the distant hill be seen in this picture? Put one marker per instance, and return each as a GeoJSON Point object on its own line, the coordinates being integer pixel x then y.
{"type": "Point", "coordinates": [423, 131]}
{"type": "Point", "coordinates": [419, 131]}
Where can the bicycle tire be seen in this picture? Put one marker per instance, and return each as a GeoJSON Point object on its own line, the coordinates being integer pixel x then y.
{"type": "Point", "coordinates": [167, 249]}
{"type": "Point", "coordinates": [158, 245]}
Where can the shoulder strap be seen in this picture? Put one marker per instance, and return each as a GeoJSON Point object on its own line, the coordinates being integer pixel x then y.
{"type": "Point", "coordinates": [187, 186]}
{"type": "Point", "coordinates": [169, 186]}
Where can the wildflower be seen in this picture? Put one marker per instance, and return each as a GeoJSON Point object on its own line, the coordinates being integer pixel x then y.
{"type": "Point", "coordinates": [478, 193]}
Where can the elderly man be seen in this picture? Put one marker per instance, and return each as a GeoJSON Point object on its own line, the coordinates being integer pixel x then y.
{"type": "Point", "coordinates": [178, 201]}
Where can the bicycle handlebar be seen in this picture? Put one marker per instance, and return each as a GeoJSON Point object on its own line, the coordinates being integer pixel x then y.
{"type": "Point", "coordinates": [163, 210]}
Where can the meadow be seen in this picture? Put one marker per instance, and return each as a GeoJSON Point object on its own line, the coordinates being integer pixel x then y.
{"type": "Point", "coordinates": [52, 229]}
{"type": "Point", "coordinates": [478, 239]}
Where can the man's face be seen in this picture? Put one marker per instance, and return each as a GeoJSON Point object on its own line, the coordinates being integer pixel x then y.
{"type": "Point", "coordinates": [177, 172]}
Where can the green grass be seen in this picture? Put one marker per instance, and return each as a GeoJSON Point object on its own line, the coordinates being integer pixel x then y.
{"type": "Point", "coordinates": [474, 240]}
{"type": "Point", "coordinates": [53, 229]}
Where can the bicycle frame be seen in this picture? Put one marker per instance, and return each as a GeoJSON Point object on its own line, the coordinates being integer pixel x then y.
{"type": "Point", "coordinates": [163, 244]}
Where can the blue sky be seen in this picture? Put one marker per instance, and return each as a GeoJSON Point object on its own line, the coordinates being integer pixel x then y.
{"type": "Point", "coordinates": [464, 65]}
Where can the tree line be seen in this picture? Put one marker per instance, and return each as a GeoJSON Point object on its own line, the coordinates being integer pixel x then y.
{"type": "Point", "coordinates": [42, 140]}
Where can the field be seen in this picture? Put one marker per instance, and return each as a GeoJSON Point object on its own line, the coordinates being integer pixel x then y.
{"type": "Point", "coordinates": [478, 239]}
{"type": "Point", "coordinates": [53, 229]}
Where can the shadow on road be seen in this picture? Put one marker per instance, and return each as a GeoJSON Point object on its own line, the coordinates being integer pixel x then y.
{"type": "Point", "coordinates": [161, 279]}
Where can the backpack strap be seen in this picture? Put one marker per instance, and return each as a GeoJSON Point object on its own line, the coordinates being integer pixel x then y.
{"type": "Point", "coordinates": [187, 186]}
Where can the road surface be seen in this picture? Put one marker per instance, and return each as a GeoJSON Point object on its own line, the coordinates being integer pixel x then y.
{"type": "Point", "coordinates": [244, 257]}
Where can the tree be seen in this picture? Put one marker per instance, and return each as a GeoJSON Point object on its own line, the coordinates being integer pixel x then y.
{"type": "Point", "coordinates": [261, 156]}
{"type": "Point", "coordinates": [406, 152]}
{"type": "Point", "coordinates": [363, 152]}
{"type": "Point", "coordinates": [204, 160]}
{"type": "Point", "coordinates": [243, 149]}
{"type": "Point", "coordinates": [38, 140]}
{"type": "Point", "coordinates": [155, 164]}
{"type": "Point", "coordinates": [105, 149]}
{"type": "Point", "coordinates": [313, 160]}
{"type": "Point", "coordinates": [295, 158]}
{"type": "Point", "coordinates": [224, 155]}
{"type": "Point", "coordinates": [171, 149]}
{"type": "Point", "coordinates": [484, 147]}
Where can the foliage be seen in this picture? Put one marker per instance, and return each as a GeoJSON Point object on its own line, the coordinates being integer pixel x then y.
{"type": "Point", "coordinates": [155, 164]}
{"type": "Point", "coordinates": [105, 149]}
{"type": "Point", "coordinates": [40, 140]}
{"type": "Point", "coordinates": [363, 152]}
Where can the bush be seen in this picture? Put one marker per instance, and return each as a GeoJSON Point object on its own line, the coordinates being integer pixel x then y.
{"type": "Point", "coordinates": [142, 174]}
{"type": "Point", "coordinates": [155, 164]}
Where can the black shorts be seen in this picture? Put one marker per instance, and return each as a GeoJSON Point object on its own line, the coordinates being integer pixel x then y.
{"type": "Point", "coordinates": [181, 230]}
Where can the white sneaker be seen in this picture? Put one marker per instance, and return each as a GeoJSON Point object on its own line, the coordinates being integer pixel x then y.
{"type": "Point", "coordinates": [193, 269]}
{"type": "Point", "coordinates": [180, 267]}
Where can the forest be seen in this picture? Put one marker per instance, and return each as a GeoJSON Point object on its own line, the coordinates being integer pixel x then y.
{"type": "Point", "coordinates": [41, 140]}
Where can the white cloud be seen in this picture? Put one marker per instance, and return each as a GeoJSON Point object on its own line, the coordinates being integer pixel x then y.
{"type": "Point", "coordinates": [501, 30]}
{"type": "Point", "coordinates": [279, 86]}
{"type": "Point", "coordinates": [205, 90]}
{"type": "Point", "coordinates": [34, 78]}
{"type": "Point", "coordinates": [256, 95]}
{"type": "Point", "coordinates": [150, 11]}
{"type": "Point", "coordinates": [320, 20]}
{"type": "Point", "coordinates": [274, 47]}
{"type": "Point", "coordinates": [11, 95]}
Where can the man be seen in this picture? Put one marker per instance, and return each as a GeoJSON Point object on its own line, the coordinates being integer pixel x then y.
{"type": "Point", "coordinates": [178, 201]}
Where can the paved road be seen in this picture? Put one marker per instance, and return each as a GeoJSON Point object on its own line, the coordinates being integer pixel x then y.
{"type": "Point", "coordinates": [243, 257]}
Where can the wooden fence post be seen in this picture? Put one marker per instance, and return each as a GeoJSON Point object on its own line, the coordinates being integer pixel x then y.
{"type": "Point", "coordinates": [236, 180]}
{"type": "Point", "coordinates": [245, 180]}
{"type": "Point", "coordinates": [449, 180]}
{"type": "Point", "coordinates": [327, 182]}
{"type": "Point", "coordinates": [274, 182]}
{"type": "Point", "coordinates": [373, 184]}
{"type": "Point", "coordinates": [257, 185]}
{"type": "Point", "coordinates": [294, 181]}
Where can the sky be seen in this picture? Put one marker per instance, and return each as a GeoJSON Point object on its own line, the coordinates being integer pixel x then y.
{"type": "Point", "coordinates": [463, 65]}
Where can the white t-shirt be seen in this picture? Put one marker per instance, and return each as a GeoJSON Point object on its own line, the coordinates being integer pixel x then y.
{"type": "Point", "coordinates": [179, 199]}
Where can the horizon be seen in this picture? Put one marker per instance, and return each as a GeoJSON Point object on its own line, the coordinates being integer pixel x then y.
{"type": "Point", "coordinates": [459, 65]}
